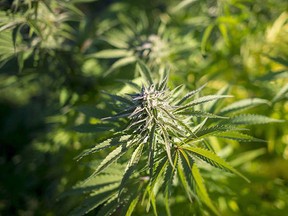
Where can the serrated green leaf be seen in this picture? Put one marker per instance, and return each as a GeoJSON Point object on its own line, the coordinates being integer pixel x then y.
{"type": "Point", "coordinates": [96, 183]}
{"type": "Point", "coordinates": [175, 94]}
{"type": "Point", "coordinates": [100, 180]}
{"type": "Point", "coordinates": [122, 99]}
{"type": "Point", "coordinates": [201, 100]}
{"type": "Point", "coordinates": [248, 156]}
{"type": "Point", "coordinates": [198, 113]}
{"type": "Point", "coordinates": [198, 128]}
{"type": "Point", "coordinates": [110, 158]}
{"type": "Point", "coordinates": [175, 129]}
{"type": "Point", "coordinates": [152, 200]}
{"type": "Point", "coordinates": [131, 84]}
{"type": "Point", "coordinates": [132, 206]}
{"type": "Point", "coordinates": [234, 135]}
{"type": "Point", "coordinates": [185, 174]}
{"type": "Point", "coordinates": [183, 179]}
{"type": "Point", "coordinates": [190, 94]}
{"type": "Point", "coordinates": [116, 42]}
{"type": "Point", "coordinates": [169, 173]}
{"type": "Point", "coordinates": [144, 72]}
{"type": "Point", "coordinates": [213, 159]}
{"type": "Point", "coordinates": [117, 140]}
{"type": "Point", "coordinates": [120, 63]}
{"type": "Point", "coordinates": [159, 172]}
{"type": "Point", "coordinates": [242, 105]}
{"type": "Point", "coordinates": [151, 150]}
{"type": "Point", "coordinates": [93, 202]}
{"type": "Point", "coordinates": [177, 126]}
{"type": "Point", "coordinates": [116, 169]}
{"type": "Point", "coordinates": [167, 143]}
{"type": "Point", "coordinates": [131, 166]}
{"type": "Point", "coordinates": [202, 189]}
{"type": "Point", "coordinates": [125, 113]}
{"type": "Point", "coordinates": [251, 119]}
{"type": "Point", "coordinates": [110, 206]}
{"type": "Point", "coordinates": [163, 84]}
{"type": "Point", "coordinates": [200, 132]}
{"type": "Point", "coordinates": [213, 105]}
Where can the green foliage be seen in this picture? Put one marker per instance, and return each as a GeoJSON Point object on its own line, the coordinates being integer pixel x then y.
{"type": "Point", "coordinates": [164, 145]}
{"type": "Point", "coordinates": [31, 27]}
{"type": "Point", "coordinates": [161, 142]}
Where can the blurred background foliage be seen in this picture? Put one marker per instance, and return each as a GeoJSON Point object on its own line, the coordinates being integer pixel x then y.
{"type": "Point", "coordinates": [57, 56]}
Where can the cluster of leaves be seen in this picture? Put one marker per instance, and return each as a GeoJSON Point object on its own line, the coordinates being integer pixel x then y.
{"type": "Point", "coordinates": [36, 28]}
{"type": "Point", "coordinates": [58, 54]}
{"type": "Point", "coordinates": [165, 136]}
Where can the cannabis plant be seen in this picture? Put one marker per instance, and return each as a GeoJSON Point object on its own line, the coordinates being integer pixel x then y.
{"type": "Point", "coordinates": [159, 140]}
{"type": "Point", "coordinates": [37, 29]}
{"type": "Point", "coordinates": [137, 37]}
